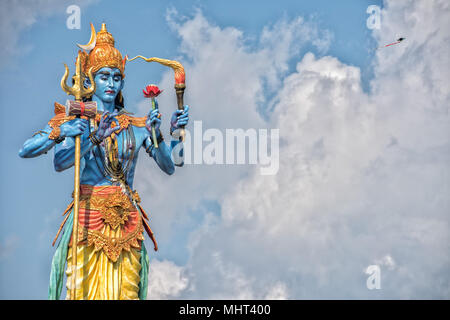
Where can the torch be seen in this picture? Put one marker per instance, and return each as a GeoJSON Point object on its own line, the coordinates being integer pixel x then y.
{"type": "Point", "coordinates": [180, 80]}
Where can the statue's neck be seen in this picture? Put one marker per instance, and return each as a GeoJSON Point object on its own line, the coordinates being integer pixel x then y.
{"type": "Point", "coordinates": [103, 106]}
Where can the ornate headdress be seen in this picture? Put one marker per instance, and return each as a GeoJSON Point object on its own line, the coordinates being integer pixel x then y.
{"type": "Point", "coordinates": [102, 52]}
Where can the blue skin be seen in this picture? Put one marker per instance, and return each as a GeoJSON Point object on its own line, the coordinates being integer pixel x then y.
{"type": "Point", "coordinates": [40, 143]}
{"type": "Point", "coordinates": [108, 84]}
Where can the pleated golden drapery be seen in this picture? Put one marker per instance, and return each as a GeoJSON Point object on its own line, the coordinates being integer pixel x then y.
{"type": "Point", "coordinates": [109, 244]}
{"type": "Point", "coordinates": [99, 278]}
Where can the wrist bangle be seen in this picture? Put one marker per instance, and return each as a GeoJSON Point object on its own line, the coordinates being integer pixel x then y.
{"type": "Point", "coordinates": [59, 139]}
{"type": "Point", "coordinates": [96, 141]}
{"type": "Point", "coordinates": [56, 135]}
{"type": "Point", "coordinates": [148, 149]}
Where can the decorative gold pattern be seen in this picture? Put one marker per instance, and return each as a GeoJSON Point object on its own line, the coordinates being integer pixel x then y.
{"type": "Point", "coordinates": [90, 199]}
{"type": "Point", "coordinates": [59, 119]}
{"type": "Point", "coordinates": [115, 208]}
{"type": "Point", "coordinates": [104, 54]}
{"type": "Point", "coordinates": [124, 119]}
{"type": "Point", "coordinates": [59, 108]}
{"type": "Point", "coordinates": [56, 132]}
{"type": "Point", "coordinates": [112, 247]}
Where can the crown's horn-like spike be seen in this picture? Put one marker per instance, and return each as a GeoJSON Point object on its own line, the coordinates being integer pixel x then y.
{"type": "Point", "coordinates": [91, 44]}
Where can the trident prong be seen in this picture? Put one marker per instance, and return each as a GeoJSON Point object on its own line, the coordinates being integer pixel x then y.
{"type": "Point", "coordinates": [78, 90]}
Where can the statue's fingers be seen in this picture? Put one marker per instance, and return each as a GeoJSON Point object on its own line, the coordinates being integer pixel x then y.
{"type": "Point", "coordinates": [182, 120]}
{"type": "Point", "coordinates": [155, 120]}
{"type": "Point", "coordinates": [102, 119]}
{"type": "Point", "coordinates": [111, 130]}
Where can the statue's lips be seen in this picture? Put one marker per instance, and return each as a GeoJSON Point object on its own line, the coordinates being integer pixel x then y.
{"type": "Point", "coordinates": [110, 91]}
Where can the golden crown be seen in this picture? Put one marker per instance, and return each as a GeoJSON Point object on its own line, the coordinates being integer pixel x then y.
{"type": "Point", "coordinates": [102, 52]}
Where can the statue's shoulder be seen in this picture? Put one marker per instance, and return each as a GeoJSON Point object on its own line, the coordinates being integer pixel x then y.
{"type": "Point", "coordinates": [60, 116]}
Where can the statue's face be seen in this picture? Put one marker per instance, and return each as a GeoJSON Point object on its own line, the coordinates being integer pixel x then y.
{"type": "Point", "coordinates": [108, 83]}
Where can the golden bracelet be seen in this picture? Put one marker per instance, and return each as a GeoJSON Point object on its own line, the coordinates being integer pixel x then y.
{"type": "Point", "coordinates": [54, 135]}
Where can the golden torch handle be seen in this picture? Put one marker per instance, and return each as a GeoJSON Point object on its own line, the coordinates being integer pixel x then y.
{"type": "Point", "coordinates": [179, 90]}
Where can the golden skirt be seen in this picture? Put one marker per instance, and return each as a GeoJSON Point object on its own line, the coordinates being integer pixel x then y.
{"type": "Point", "coordinates": [99, 278]}
{"type": "Point", "coordinates": [108, 246]}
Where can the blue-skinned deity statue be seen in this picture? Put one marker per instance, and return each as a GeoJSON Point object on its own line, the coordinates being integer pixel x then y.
{"type": "Point", "coordinates": [112, 261]}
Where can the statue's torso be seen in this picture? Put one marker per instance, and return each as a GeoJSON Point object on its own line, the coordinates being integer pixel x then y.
{"type": "Point", "coordinates": [128, 146]}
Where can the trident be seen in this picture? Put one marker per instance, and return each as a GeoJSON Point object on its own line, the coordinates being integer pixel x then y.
{"type": "Point", "coordinates": [78, 108]}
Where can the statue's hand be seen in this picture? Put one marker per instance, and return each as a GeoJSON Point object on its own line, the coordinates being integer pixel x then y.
{"type": "Point", "coordinates": [179, 118]}
{"type": "Point", "coordinates": [104, 128]}
{"type": "Point", "coordinates": [154, 118]}
{"type": "Point", "coordinates": [73, 128]}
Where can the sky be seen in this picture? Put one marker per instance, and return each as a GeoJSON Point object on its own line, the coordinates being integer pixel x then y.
{"type": "Point", "coordinates": [364, 145]}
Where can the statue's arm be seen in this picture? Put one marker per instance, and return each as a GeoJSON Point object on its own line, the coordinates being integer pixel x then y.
{"type": "Point", "coordinates": [65, 152]}
{"type": "Point", "coordinates": [38, 144]}
{"type": "Point", "coordinates": [161, 154]}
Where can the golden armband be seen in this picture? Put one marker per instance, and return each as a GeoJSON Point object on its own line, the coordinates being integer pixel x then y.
{"type": "Point", "coordinates": [56, 135]}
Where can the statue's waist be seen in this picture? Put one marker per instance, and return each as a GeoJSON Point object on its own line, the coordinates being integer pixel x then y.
{"type": "Point", "coordinates": [109, 220]}
{"type": "Point", "coordinates": [100, 205]}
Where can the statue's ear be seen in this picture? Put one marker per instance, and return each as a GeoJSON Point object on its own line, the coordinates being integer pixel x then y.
{"type": "Point", "coordinates": [122, 84]}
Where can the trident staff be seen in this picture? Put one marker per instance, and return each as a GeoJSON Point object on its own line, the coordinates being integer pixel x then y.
{"type": "Point", "coordinates": [78, 108]}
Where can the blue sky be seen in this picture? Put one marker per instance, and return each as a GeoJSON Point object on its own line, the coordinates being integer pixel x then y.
{"type": "Point", "coordinates": [34, 195]}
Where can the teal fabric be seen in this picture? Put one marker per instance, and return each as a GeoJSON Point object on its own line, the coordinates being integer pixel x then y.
{"type": "Point", "coordinates": [59, 262]}
{"type": "Point", "coordinates": [143, 283]}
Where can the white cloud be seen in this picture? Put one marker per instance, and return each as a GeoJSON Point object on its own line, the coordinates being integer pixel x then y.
{"type": "Point", "coordinates": [225, 81]}
{"type": "Point", "coordinates": [360, 174]}
{"type": "Point", "coordinates": [18, 16]}
{"type": "Point", "coordinates": [166, 279]}
{"type": "Point", "coordinates": [277, 292]}
{"type": "Point", "coordinates": [387, 261]}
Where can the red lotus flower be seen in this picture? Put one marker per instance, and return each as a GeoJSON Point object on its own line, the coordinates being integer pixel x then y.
{"type": "Point", "coordinates": [151, 91]}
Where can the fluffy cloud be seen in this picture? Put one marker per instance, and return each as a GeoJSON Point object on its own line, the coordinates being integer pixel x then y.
{"type": "Point", "coordinates": [228, 81]}
{"type": "Point", "coordinates": [17, 16]}
{"type": "Point", "coordinates": [166, 280]}
{"type": "Point", "coordinates": [363, 177]}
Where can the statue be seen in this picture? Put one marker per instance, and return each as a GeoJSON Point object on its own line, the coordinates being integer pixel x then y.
{"type": "Point", "coordinates": [106, 257]}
